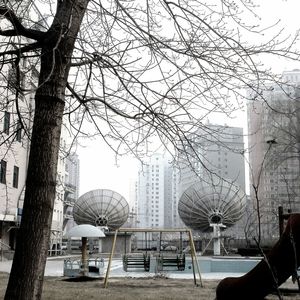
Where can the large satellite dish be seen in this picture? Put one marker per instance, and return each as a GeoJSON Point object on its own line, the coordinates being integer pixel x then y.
{"type": "Point", "coordinates": [101, 208]}
{"type": "Point", "coordinates": [205, 204]}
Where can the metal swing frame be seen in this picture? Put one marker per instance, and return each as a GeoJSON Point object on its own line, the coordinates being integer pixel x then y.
{"type": "Point", "coordinates": [195, 264]}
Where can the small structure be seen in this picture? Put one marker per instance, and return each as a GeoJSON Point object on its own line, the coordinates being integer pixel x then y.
{"type": "Point", "coordinates": [85, 267]}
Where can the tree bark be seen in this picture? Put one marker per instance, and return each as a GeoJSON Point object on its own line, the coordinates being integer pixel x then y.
{"type": "Point", "coordinates": [27, 273]}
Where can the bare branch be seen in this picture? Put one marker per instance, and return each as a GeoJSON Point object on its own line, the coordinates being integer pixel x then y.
{"type": "Point", "coordinates": [19, 29]}
{"type": "Point", "coordinates": [27, 48]}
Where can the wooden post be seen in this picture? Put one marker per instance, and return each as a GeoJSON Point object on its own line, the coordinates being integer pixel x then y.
{"type": "Point", "coordinates": [194, 259]}
{"type": "Point", "coordinates": [110, 259]}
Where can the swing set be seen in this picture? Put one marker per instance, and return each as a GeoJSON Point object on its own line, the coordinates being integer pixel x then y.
{"type": "Point", "coordinates": [149, 256]}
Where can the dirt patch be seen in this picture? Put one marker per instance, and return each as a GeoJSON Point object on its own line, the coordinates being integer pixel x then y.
{"type": "Point", "coordinates": [128, 289]}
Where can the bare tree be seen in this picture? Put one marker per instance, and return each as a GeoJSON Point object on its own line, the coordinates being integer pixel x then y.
{"type": "Point", "coordinates": [132, 70]}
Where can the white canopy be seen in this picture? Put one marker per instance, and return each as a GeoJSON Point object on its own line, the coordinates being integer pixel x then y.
{"type": "Point", "coordinates": [84, 230]}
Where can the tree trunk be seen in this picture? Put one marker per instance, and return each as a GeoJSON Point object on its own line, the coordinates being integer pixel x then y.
{"type": "Point", "coordinates": [28, 266]}
{"type": "Point", "coordinates": [27, 273]}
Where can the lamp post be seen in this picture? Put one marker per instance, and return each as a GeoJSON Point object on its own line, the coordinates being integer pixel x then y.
{"type": "Point", "coordinates": [270, 141]}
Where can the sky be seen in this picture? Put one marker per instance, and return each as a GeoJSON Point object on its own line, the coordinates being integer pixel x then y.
{"type": "Point", "coordinates": [98, 166]}
{"type": "Point", "coordinates": [100, 170]}
{"type": "Point", "coordinates": [287, 13]}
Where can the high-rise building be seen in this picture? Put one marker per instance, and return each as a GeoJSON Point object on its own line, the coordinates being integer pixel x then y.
{"type": "Point", "coordinates": [160, 185]}
{"type": "Point", "coordinates": [214, 150]}
{"type": "Point", "coordinates": [273, 125]}
{"type": "Point", "coordinates": [151, 193]}
{"type": "Point", "coordinates": [155, 204]}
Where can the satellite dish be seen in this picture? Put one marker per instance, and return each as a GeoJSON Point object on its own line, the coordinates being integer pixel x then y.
{"type": "Point", "coordinates": [203, 205]}
{"type": "Point", "coordinates": [102, 207]}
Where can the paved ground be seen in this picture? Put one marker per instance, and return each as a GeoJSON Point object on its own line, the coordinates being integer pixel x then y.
{"type": "Point", "coordinates": [55, 265]}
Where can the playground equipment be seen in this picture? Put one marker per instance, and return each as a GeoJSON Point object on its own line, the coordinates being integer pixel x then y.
{"type": "Point", "coordinates": [171, 262]}
{"type": "Point", "coordinates": [154, 259]}
{"type": "Point", "coordinates": [218, 204]}
{"type": "Point", "coordinates": [135, 261]}
{"type": "Point", "coordinates": [277, 266]}
{"type": "Point", "coordinates": [73, 267]}
{"type": "Point", "coordinates": [84, 267]}
{"type": "Point", "coordinates": [102, 207]}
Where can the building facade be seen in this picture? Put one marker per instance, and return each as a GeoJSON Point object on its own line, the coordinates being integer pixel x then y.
{"type": "Point", "coordinates": [151, 192]}
{"type": "Point", "coordinates": [71, 194]}
{"type": "Point", "coordinates": [273, 125]}
{"type": "Point", "coordinates": [15, 128]}
{"type": "Point", "coordinates": [160, 185]}
{"type": "Point", "coordinates": [15, 125]}
{"type": "Point", "coordinates": [216, 151]}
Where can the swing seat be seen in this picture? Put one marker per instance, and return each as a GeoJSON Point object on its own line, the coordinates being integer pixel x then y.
{"type": "Point", "coordinates": [136, 261]}
{"type": "Point", "coordinates": [166, 262]}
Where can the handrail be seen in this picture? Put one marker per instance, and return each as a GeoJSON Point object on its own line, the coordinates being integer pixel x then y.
{"type": "Point", "coordinates": [1, 249]}
{"type": "Point", "coordinates": [3, 244]}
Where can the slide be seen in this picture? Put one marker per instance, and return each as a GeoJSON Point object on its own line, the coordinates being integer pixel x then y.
{"type": "Point", "coordinates": [280, 263]}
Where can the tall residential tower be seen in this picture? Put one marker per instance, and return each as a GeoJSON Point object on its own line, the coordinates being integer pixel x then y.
{"type": "Point", "coordinates": [274, 139]}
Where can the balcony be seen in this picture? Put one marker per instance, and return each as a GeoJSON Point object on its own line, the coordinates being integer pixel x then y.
{"type": "Point", "coordinates": [69, 201]}
{"type": "Point", "coordinates": [70, 188]}
{"type": "Point", "coordinates": [68, 216]}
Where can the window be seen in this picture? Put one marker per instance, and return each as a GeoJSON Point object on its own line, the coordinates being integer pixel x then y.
{"type": "Point", "coordinates": [19, 132]}
{"type": "Point", "coordinates": [12, 79]}
{"type": "Point", "coordinates": [3, 166]}
{"type": "Point", "coordinates": [16, 177]}
{"type": "Point", "coordinates": [6, 122]}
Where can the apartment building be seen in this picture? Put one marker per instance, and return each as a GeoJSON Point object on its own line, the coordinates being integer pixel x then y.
{"type": "Point", "coordinates": [273, 125]}
{"type": "Point", "coordinates": [151, 193]}
{"type": "Point", "coordinates": [16, 117]}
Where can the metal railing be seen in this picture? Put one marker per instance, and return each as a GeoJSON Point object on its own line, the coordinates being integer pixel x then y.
{"type": "Point", "coordinates": [2, 245]}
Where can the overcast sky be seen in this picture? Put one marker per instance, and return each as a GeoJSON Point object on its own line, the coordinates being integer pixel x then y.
{"type": "Point", "coordinates": [97, 163]}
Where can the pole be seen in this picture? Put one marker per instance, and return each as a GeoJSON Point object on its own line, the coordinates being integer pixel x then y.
{"type": "Point", "coordinates": [125, 236]}
{"type": "Point", "coordinates": [194, 257]}
{"type": "Point", "coordinates": [110, 258]}
{"type": "Point", "coordinates": [84, 258]}
{"type": "Point", "coordinates": [281, 220]}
